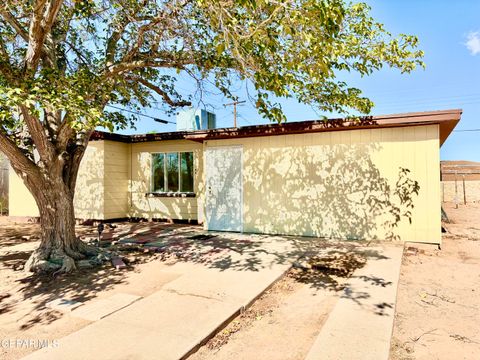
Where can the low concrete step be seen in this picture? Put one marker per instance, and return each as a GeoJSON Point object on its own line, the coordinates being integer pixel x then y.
{"type": "Point", "coordinates": [361, 323]}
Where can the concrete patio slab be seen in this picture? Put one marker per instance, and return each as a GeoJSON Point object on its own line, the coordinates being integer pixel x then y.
{"type": "Point", "coordinates": [100, 308]}
{"type": "Point", "coordinates": [169, 323]}
{"type": "Point", "coordinates": [173, 321]}
{"type": "Point", "coordinates": [360, 325]}
{"type": "Point", "coordinates": [218, 278]}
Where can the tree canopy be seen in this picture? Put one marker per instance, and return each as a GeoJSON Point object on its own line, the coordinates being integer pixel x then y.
{"type": "Point", "coordinates": [78, 56]}
{"type": "Point", "coordinates": [63, 62]}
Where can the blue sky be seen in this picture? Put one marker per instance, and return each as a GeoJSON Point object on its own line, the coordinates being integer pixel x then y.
{"type": "Point", "coordinates": [449, 33]}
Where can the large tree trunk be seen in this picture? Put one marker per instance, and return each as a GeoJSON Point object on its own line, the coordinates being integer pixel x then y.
{"type": "Point", "coordinates": [59, 248]}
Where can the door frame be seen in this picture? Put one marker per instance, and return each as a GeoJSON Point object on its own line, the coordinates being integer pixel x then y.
{"type": "Point", "coordinates": [221, 147]}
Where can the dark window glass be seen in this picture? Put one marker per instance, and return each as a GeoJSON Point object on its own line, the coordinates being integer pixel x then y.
{"type": "Point", "coordinates": [158, 173]}
{"type": "Point", "coordinates": [186, 171]}
{"type": "Point", "coordinates": [172, 172]}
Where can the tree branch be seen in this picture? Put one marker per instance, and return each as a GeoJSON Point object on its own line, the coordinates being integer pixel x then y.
{"type": "Point", "coordinates": [71, 172]}
{"type": "Point", "coordinates": [6, 68]}
{"type": "Point", "coordinates": [17, 158]}
{"type": "Point", "coordinates": [39, 137]}
{"type": "Point", "coordinates": [112, 44]}
{"type": "Point", "coordinates": [142, 31]}
{"type": "Point", "coordinates": [64, 133]}
{"type": "Point", "coordinates": [161, 92]}
{"type": "Point", "coordinates": [43, 17]}
{"type": "Point", "coordinates": [51, 14]}
{"type": "Point", "coordinates": [123, 67]}
{"type": "Point", "coordinates": [14, 23]}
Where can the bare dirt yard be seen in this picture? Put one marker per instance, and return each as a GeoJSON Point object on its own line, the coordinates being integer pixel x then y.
{"type": "Point", "coordinates": [288, 313]}
{"type": "Point", "coordinates": [282, 324]}
{"type": "Point", "coordinates": [438, 302]}
{"type": "Point", "coordinates": [286, 320]}
{"type": "Point", "coordinates": [437, 311]}
{"type": "Point", "coordinates": [23, 298]}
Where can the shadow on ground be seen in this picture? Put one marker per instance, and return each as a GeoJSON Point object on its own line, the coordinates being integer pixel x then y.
{"type": "Point", "coordinates": [328, 261]}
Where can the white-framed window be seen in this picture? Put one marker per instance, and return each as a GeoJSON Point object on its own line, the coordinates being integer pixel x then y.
{"type": "Point", "coordinates": [172, 172]}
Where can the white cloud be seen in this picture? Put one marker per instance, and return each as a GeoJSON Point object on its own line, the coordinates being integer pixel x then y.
{"type": "Point", "coordinates": [473, 42]}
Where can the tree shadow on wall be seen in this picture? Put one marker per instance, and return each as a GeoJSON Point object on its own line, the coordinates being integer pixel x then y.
{"type": "Point", "coordinates": [327, 191]}
{"type": "Point", "coordinates": [89, 191]}
{"type": "Point", "coordinates": [144, 204]}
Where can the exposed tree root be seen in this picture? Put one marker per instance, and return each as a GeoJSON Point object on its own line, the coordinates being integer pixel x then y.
{"type": "Point", "coordinates": [38, 262]}
{"type": "Point", "coordinates": [75, 255]}
{"type": "Point", "coordinates": [88, 250]}
{"type": "Point", "coordinates": [65, 260]}
{"type": "Point", "coordinates": [68, 265]}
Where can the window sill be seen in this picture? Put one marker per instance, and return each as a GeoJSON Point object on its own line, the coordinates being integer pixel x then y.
{"type": "Point", "coordinates": [170, 194]}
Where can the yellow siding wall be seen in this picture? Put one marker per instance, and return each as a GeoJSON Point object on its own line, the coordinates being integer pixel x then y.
{"type": "Point", "coordinates": [103, 185]}
{"type": "Point", "coordinates": [334, 184]}
{"type": "Point", "coordinates": [90, 190]}
{"type": "Point", "coordinates": [117, 180]}
{"type": "Point", "coordinates": [342, 184]}
{"type": "Point", "coordinates": [165, 207]}
{"type": "Point", "coordinates": [102, 190]}
{"type": "Point", "coordinates": [89, 194]}
{"type": "Point", "coordinates": [20, 201]}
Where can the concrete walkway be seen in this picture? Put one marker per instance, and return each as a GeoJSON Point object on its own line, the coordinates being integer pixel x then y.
{"type": "Point", "coordinates": [173, 321]}
{"type": "Point", "coordinates": [361, 323]}
{"type": "Point", "coordinates": [217, 278]}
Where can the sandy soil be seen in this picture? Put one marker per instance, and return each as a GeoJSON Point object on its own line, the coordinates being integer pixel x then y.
{"type": "Point", "coordinates": [437, 312]}
{"type": "Point", "coordinates": [23, 314]}
{"type": "Point", "coordinates": [275, 330]}
{"type": "Point", "coordinates": [438, 303]}
{"type": "Point", "coordinates": [282, 324]}
{"type": "Point", "coordinates": [285, 321]}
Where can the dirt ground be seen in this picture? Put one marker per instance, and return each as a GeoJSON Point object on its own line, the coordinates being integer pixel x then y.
{"type": "Point", "coordinates": [23, 314]}
{"type": "Point", "coordinates": [285, 321]}
{"type": "Point", "coordinates": [438, 302]}
{"type": "Point", "coordinates": [311, 289]}
{"type": "Point", "coordinates": [282, 324]}
{"type": "Point", "coordinates": [437, 312]}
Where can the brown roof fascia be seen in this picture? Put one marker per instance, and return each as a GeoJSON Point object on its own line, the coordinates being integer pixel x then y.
{"type": "Point", "coordinates": [174, 135]}
{"type": "Point", "coordinates": [446, 119]}
{"type": "Point", "coordinates": [102, 135]}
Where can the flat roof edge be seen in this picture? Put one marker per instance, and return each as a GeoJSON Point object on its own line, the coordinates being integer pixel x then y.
{"type": "Point", "coordinates": [446, 119]}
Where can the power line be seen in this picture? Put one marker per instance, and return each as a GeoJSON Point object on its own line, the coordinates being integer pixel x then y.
{"type": "Point", "coordinates": [235, 103]}
{"type": "Point", "coordinates": [460, 98]}
{"type": "Point", "coordinates": [240, 116]}
{"type": "Point", "coordinates": [420, 106]}
{"type": "Point", "coordinates": [245, 119]}
{"type": "Point", "coordinates": [144, 115]}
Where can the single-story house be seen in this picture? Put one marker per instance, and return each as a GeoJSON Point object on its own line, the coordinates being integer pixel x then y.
{"type": "Point", "coordinates": [369, 178]}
